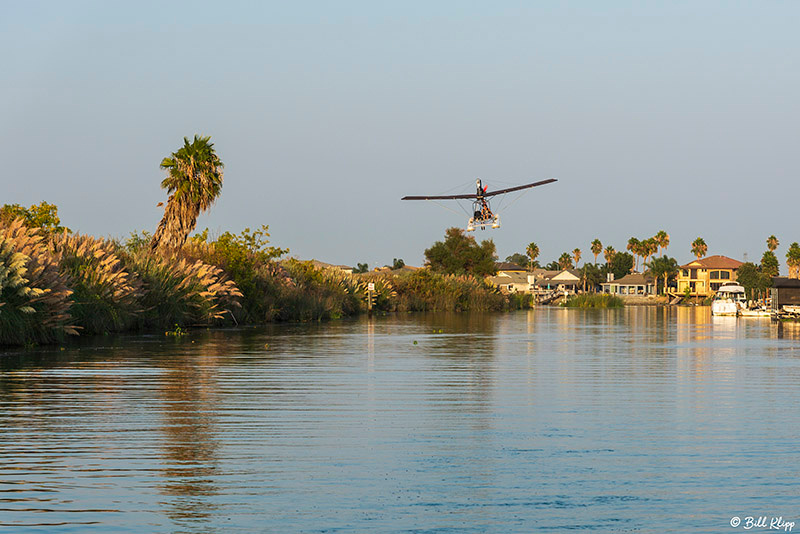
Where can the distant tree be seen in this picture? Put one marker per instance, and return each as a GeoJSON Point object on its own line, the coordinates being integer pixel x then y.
{"type": "Point", "coordinates": [43, 216]}
{"type": "Point", "coordinates": [553, 266]}
{"type": "Point", "coordinates": [621, 264]}
{"type": "Point", "coordinates": [597, 248]}
{"type": "Point", "coordinates": [665, 268]}
{"type": "Point", "coordinates": [533, 252]}
{"type": "Point", "coordinates": [608, 253]}
{"type": "Point", "coordinates": [361, 268]}
{"type": "Point", "coordinates": [518, 259]}
{"type": "Point", "coordinates": [662, 240]}
{"type": "Point", "coordinates": [793, 260]}
{"type": "Point", "coordinates": [398, 263]}
{"type": "Point", "coordinates": [576, 254]}
{"type": "Point", "coordinates": [592, 275]}
{"type": "Point", "coordinates": [648, 248]}
{"type": "Point", "coordinates": [699, 247]}
{"type": "Point", "coordinates": [194, 181]}
{"type": "Point", "coordinates": [634, 247]}
{"type": "Point", "coordinates": [769, 264]}
{"type": "Point", "coordinates": [565, 261]}
{"type": "Point", "coordinates": [461, 254]}
{"type": "Point", "coordinates": [753, 279]}
{"type": "Point", "coordinates": [772, 243]}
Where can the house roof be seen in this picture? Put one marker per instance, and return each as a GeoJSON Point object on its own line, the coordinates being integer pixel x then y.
{"type": "Point", "coordinates": [713, 262]}
{"type": "Point", "coordinates": [782, 281]}
{"type": "Point", "coordinates": [322, 265]}
{"type": "Point", "coordinates": [508, 266]}
{"type": "Point", "coordinates": [509, 278]}
{"type": "Point", "coordinates": [567, 274]}
{"type": "Point", "coordinates": [632, 279]}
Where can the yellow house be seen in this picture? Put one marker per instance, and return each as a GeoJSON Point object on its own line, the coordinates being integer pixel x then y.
{"type": "Point", "coordinates": [704, 276]}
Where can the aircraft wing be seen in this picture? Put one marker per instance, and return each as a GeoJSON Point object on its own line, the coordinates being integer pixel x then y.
{"type": "Point", "coordinates": [517, 188]}
{"type": "Point", "coordinates": [489, 194]}
{"type": "Point", "coordinates": [441, 197]}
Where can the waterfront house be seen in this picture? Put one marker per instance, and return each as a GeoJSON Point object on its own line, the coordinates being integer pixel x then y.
{"type": "Point", "coordinates": [633, 284]}
{"type": "Point", "coordinates": [512, 281]}
{"type": "Point", "coordinates": [565, 280]}
{"type": "Point", "coordinates": [704, 276]}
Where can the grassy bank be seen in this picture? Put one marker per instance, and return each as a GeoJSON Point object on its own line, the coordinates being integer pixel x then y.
{"type": "Point", "coordinates": [56, 284]}
{"type": "Point", "coordinates": [594, 300]}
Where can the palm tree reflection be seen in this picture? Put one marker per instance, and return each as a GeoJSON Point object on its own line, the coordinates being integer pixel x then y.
{"type": "Point", "coordinates": [190, 443]}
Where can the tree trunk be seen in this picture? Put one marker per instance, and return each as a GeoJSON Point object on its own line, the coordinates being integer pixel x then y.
{"type": "Point", "coordinates": [176, 224]}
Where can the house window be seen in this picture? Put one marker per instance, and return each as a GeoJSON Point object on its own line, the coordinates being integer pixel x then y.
{"type": "Point", "coordinates": [684, 272]}
{"type": "Point", "coordinates": [694, 273]}
{"type": "Point", "coordinates": [724, 275]}
{"type": "Point", "coordinates": [715, 275]}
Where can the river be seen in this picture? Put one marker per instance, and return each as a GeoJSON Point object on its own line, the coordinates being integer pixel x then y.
{"type": "Point", "coordinates": [640, 419]}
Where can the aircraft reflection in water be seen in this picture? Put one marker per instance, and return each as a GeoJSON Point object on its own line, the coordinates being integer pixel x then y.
{"type": "Point", "coordinates": [482, 214]}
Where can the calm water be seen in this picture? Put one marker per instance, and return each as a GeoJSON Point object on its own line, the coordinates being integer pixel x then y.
{"type": "Point", "coordinates": [635, 420]}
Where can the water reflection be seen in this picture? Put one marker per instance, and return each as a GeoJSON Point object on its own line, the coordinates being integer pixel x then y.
{"type": "Point", "coordinates": [189, 392]}
{"type": "Point", "coordinates": [547, 419]}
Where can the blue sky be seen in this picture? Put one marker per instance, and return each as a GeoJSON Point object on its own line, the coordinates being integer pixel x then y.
{"type": "Point", "coordinates": [680, 116]}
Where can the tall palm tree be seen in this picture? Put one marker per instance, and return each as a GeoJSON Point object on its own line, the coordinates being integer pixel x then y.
{"type": "Point", "coordinates": [662, 238]}
{"type": "Point", "coordinates": [772, 243]}
{"type": "Point", "coordinates": [597, 248]}
{"type": "Point", "coordinates": [194, 181]}
{"type": "Point", "coordinates": [649, 247]}
{"type": "Point", "coordinates": [577, 255]}
{"type": "Point", "coordinates": [793, 260]}
{"type": "Point", "coordinates": [608, 253]}
{"type": "Point", "coordinates": [634, 245]}
{"type": "Point", "coordinates": [663, 267]}
{"type": "Point", "coordinates": [533, 253]}
{"type": "Point", "coordinates": [565, 260]}
{"type": "Point", "coordinates": [699, 247]}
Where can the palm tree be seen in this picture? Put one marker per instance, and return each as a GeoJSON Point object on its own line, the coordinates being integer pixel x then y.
{"type": "Point", "coordinates": [662, 238]}
{"type": "Point", "coordinates": [565, 260]}
{"type": "Point", "coordinates": [649, 247]}
{"type": "Point", "coordinates": [634, 245]}
{"type": "Point", "coordinates": [194, 181]}
{"type": "Point", "coordinates": [577, 255]}
{"type": "Point", "coordinates": [699, 247]}
{"type": "Point", "coordinates": [533, 253]}
{"type": "Point", "coordinates": [597, 248]}
{"type": "Point", "coordinates": [608, 253]}
{"type": "Point", "coordinates": [663, 267]}
{"type": "Point", "coordinates": [772, 243]}
{"type": "Point", "coordinates": [793, 260]}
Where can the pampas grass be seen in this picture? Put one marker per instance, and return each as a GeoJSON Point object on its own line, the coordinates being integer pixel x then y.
{"type": "Point", "coordinates": [34, 298]}
{"type": "Point", "coordinates": [181, 292]}
{"type": "Point", "coordinates": [106, 297]}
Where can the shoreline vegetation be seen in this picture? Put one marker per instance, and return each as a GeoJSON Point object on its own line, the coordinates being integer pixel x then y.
{"type": "Point", "coordinates": [594, 300]}
{"type": "Point", "coordinates": [55, 283]}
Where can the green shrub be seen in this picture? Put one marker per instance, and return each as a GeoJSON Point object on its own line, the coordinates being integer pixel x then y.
{"type": "Point", "coordinates": [425, 290]}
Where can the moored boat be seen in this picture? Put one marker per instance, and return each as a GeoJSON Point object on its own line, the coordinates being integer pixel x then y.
{"type": "Point", "coordinates": [730, 300]}
{"type": "Point", "coordinates": [758, 312]}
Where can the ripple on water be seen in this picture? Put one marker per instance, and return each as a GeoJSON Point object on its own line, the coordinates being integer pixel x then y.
{"type": "Point", "coordinates": [646, 420]}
